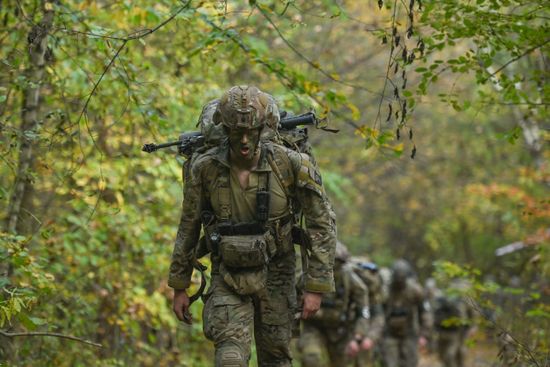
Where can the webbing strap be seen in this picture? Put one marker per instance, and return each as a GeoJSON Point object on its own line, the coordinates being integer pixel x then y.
{"type": "Point", "coordinates": [224, 195]}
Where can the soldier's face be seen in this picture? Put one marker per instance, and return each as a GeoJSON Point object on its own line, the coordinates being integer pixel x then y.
{"type": "Point", "coordinates": [243, 142]}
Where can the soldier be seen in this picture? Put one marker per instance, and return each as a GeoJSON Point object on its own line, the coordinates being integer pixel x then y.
{"type": "Point", "coordinates": [371, 276]}
{"type": "Point", "coordinates": [452, 321]}
{"type": "Point", "coordinates": [432, 293]}
{"type": "Point", "coordinates": [341, 327]}
{"type": "Point", "coordinates": [243, 193]}
{"type": "Point", "coordinates": [406, 320]}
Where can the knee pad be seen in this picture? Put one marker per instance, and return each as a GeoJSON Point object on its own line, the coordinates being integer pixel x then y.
{"type": "Point", "coordinates": [230, 355]}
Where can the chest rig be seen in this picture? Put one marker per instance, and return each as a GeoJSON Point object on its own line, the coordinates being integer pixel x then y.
{"type": "Point", "coordinates": [222, 224]}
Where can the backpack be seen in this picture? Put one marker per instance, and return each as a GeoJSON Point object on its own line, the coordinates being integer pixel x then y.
{"type": "Point", "coordinates": [447, 313]}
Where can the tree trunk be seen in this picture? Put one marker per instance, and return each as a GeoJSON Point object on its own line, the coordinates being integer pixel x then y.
{"type": "Point", "coordinates": [21, 198]}
{"type": "Point", "coordinates": [19, 215]}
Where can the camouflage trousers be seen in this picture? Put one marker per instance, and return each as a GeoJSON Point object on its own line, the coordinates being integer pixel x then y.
{"type": "Point", "coordinates": [451, 348]}
{"type": "Point", "coordinates": [400, 352]}
{"type": "Point", "coordinates": [230, 319]}
{"type": "Point", "coordinates": [315, 340]}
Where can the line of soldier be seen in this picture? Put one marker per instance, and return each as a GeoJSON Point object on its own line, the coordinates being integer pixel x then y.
{"type": "Point", "coordinates": [379, 316]}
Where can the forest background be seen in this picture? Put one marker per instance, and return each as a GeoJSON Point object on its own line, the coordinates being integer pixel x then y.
{"type": "Point", "coordinates": [441, 157]}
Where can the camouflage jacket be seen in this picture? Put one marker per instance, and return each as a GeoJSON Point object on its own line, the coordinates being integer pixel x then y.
{"type": "Point", "coordinates": [405, 311]}
{"type": "Point", "coordinates": [301, 182]}
{"type": "Point", "coordinates": [369, 274]}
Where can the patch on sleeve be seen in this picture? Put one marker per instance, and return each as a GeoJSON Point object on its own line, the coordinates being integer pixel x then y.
{"type": "Point", "coordinates": [309, 176]}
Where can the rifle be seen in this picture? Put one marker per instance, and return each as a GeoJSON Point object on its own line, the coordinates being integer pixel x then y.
{"type": "Point", "coordinates": [190, 141]}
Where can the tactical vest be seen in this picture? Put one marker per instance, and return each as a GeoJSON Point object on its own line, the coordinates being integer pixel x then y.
{"type": "Point", "coordinates": [246, 248]}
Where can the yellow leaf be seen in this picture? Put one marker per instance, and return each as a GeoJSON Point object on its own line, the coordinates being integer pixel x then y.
{"type": "Point", "coordinates": [361, 131]}
{"type": "Point", "coordinates": [119, 198]}
{"type": "Point", "coordinates": [355, 113]}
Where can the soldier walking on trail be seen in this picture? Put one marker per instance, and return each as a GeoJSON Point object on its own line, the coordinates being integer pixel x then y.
{"type": "Point", "coordinates": [244, 193]}
{"type": "Point", "coordinates": [370, 274]}
{"type": "Point", "coordinates": [452, 322]}
{"type": "Point", "coordinates": [341, 327]}
{"type": "Point", "coordinates": [407, 322]}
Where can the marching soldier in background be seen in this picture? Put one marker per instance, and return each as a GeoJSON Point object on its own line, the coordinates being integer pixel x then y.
{"type": "Point", "coordinates": [452, 321]}
{"type": "Point", "coordinates": [432, 293]}
{"type": "Point", "coordinates": [341, 327]}
{"type": "Point", "coordinates": [407, 322]}
{"type": "Point", "coordinates": [371, 276]}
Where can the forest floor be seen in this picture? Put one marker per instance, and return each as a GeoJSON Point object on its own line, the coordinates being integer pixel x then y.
{"type": "Point", "coordinates": [481, 353]}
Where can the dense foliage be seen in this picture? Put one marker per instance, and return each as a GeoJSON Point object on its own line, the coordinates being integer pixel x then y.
{"type": "Point", "coordinates": [89, 220]}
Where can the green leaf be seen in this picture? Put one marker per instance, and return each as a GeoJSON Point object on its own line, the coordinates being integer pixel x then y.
{"type": "Point", "coordinates": [26, 321]}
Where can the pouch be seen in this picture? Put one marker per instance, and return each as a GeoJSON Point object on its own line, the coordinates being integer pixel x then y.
{"type": "Point", "coordinates": [248, 251]}
{"type": "Point", "coordinates": [398, 325]}
{"type": "Point", "coordinates": [245, 281]}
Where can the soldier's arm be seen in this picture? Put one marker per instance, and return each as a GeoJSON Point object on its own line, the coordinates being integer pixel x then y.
{"type": "Point", "coordinates": [320, 224]}
{"type": "Point", "coordinates": [425, 319]}
{"type": "Point", "coordinates": [183, 256]}
{"type": "Point", "coordinates": [377, 319]}
{"type": "Point", "coordinates": [359, 297]}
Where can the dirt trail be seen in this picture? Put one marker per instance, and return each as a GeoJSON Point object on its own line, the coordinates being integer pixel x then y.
{"type": "Point", "coordinates": [480, 353]}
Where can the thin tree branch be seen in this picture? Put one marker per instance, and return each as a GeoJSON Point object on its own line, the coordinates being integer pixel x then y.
{"type": "Point", "coordinates": [371, 27]}
{"type": "Point", "coordinates": [394, 16]}
{"type": "Point", "coordinates": [308, 61]}
{"type": "Point", "coordinates": [85, 108]}
{"type": "Point", "coordinates": [478, 309]}
{"type": "Point", "coordinates": [517, 58]}
{"type": "Point", "coordinates": [57, 335]}
{"type": "Point", "coordinates": [136, 35]}
{"type": "Point", "coordinates": [280, 76]}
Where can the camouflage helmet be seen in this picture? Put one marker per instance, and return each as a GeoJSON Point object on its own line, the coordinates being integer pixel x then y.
{"type": "Point", "coordinates": [342, 252]}
{"type": "Point", "coordinates": [401, 270]}
{"type": "Point", "coordinates": [246, 107]}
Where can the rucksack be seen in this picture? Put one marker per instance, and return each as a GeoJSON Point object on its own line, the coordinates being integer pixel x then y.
{"type": "Point", "coordinates": [447, 313]}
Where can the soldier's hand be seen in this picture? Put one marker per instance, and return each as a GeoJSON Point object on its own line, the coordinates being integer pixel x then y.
{"type": "Point", "coordinates": [422, 342]}
{"type": "Point", "coordinates": [311, 304]}
{"type": "Point", "coordinates": [367, 344]}
{"type": "Point", "coordinates": [181, 306]}
{"type": "Point", "coordinates": [352, 348]}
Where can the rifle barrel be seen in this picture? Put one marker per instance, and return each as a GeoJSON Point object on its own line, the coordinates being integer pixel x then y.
{"type": "Point", "coordinates": [290, 123]}
{"type": "Point", "coordinates": [150, 148]}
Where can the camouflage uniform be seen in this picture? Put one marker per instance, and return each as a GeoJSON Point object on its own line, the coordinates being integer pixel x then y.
{"type": "Point", "coordinates": [259, 299]}
{"type": "Point", "coordinates": [406, 318]}
{"type": "Point", "coordinates": [344, 315]}
{"type": "Point", "coordinates": [370, 275]}
{"type": "Point", "coordinates": [452, 321]}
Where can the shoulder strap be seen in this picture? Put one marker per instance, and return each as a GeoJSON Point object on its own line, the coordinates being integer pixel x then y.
{"type": "Point", "coordinates": [224, 194]}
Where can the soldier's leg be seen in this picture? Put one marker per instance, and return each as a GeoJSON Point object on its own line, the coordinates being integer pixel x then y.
{"type": "Point", "coordinates": [275, 306]}
{"type": "Point", "coordinates": [337, 352]}
{"type": "Point", "coordinates": [390, 351]}
{"type": "Point", "coordinates": [409, 351]}
{"type": "Point", "coordinates": [227, 321]}
{"type": "Point", "coordinates": [461, 351]}
{"type": "Point", "coordinates": [311, 345]}
{"type": "Point", "coordinates": [445, 349]}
